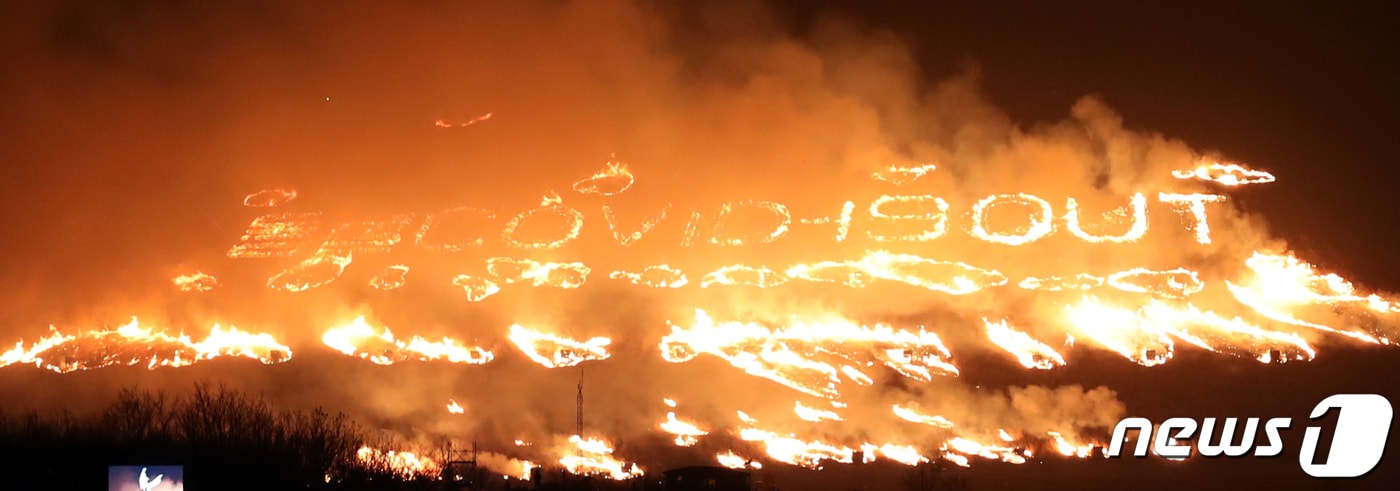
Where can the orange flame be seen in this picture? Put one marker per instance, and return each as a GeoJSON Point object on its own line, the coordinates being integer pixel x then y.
{"type": "Point", "coordinates": [268, 198]}
{"type": "Point", "coordinates": [790, 355]}
{"type": "Point", "coordinates": [592, 456]}
{"type": "Point", "coordinates": [1029, 352]}
{"type": "Point", "coordinates": [901, 175]}
{"type": "Point", "coordinates": [361, 340]}
{"type": "Point", "coordinates": [612, 180]}
{"type": "Point", "coordinates": [1225, 174]}
{"type": "Point", "coordinates": [553, 351]}
{"type": "Point", "coordinates": [134, 345]}
{"type": "Point", "coordinates": [407, 465]}
{"type": "Point", "coordinates": [197, 281]}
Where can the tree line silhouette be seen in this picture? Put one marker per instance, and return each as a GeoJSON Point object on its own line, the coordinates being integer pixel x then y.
{"type": "Point", "coordinates": [230, 440]}
{"type": "Point", "coordinates": [225, 439]}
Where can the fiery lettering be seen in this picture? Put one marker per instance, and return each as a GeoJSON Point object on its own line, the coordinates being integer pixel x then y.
{"type": "Point", "coordinates": [724, 236]}
{"type": "Point", "coordinates": [843, 222]}
{"type": "Point", "coordinates": [1042, 224]}
{"type": "Point", "coordinates": [564, 233]}
{"type": "Point", "coordinates": [611, 181]}
{"type": "Point", "coordinates": [280, 235]}
{"type": "Point", "coordinates": [626, 239]}
{"type": "Point", "coordinates": [429, 241]}
{"type": "Point", "coordinates": [939, 219]}
{"type": "Point", "coordinates": [366, 237]}
{"type": "Point", "coordinates": [1134, 233]}
{"type": "Point", "coordinates": [1195, 204]}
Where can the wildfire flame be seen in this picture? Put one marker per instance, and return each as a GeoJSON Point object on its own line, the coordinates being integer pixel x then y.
{"type": "Point", "coordinates": [901, 175]}
{"type": "Point", "coordinates": [407, 465]}
{"type": "Point", "coordinates": [1070, 449]}
{"type": "Point", "coordinates": [592, 456]}
{"type": "Point", "coordinates": [612, 180]}
{"type": "Point", "coordinates": [361, 340]}
{"type": "Point", "coordinates": [505, 270]}
{"type": "Point", "coordinates": [553, 351]}
{"type": "Point", "coordinates": [914, 416]}
{"type": "Point", "coordinates": [1283, 287]}
{"type": "Point", "coordinates": [447, 124]}
{"type": "Point", "coordinates": [734, 461]}
{"type": "Point", "coordinates": [477, 288]}
{"type": "Point", "coordinates": [392, 278]}
{"type": "Point", "coordinates": [957, 450]}
{"type": "Point", "coordinates": [795, 451]}
{"type": "Point", "coordinates": [268, 198]}
{"type": "Point", "coordinates": [318, 270]}
{"type": "Point", "coordinates": [1121, 330]}
{"type": "Point", "coordinates": [1225, 174]}
{"type": "Point", "coordinates": [135, 345]}
{"type": "Point", "coordinates": [793, 355]}
{"type": "Point", "coordinates": [197, 281]}
{"type": "Point", "coordinates": [904, 454]}
{"type": "Point", "coordinates": [659, 276]}
{"type": "Point", "coordinates": [808, 413]}
{"type": "Point", "coordinates": [1029, 352]}
{"type": "Point", "coordinates": [687, 433]}
{"type": "Point", "coordinates": [965, 447]}
{"type": "Point", "coordinates": [1139, 313]}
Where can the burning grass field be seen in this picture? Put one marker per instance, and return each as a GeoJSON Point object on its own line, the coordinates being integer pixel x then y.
{"type": "Point", "coordinates": [267, 414]}
{"type": "Point", "coordinates": [580, 244]}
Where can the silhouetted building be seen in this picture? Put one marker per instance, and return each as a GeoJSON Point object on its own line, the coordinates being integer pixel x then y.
{"type": "Point", "coordinates": [705, 478]}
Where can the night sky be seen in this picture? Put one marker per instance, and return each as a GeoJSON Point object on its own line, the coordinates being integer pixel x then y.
{"type": "Point", "coordinates": [114, 115]}
{"type": "Point", "coordinates": [1306, 90]}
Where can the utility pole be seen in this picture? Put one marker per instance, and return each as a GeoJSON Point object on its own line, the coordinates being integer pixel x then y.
{"type": "Point", "coordinates": [578, 416]}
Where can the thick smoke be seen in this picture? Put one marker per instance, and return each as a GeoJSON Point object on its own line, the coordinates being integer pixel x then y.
{"type": "Point", "coordinates": [137, 130]}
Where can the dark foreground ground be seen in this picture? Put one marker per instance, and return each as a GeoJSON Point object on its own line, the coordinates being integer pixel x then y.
{"type": "Point", "coordinates": [230, 438]}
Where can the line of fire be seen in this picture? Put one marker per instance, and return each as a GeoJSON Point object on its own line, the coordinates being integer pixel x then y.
{"type": "Point", "coordinates": [731, 245]}
{"type": "Point", "coordinates": [1271, 307]}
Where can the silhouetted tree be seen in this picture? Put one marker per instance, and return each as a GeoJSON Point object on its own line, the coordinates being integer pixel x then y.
{"type": "Point", "coordinates": [933, 476]}
{"type": "Point", "coordinates": [224, 438]}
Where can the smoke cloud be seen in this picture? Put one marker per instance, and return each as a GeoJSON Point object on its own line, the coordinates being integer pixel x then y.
{"type": "Point", "coordinates": [135, 130]}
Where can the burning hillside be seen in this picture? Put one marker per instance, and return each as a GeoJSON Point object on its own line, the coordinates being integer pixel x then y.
{"type": "Point", "coordinates": [747, 246]}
